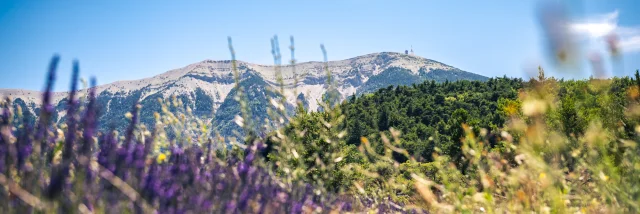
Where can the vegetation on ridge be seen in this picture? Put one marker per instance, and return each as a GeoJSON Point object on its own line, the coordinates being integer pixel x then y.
{"type": "Point", "coordinates": [500, 145]}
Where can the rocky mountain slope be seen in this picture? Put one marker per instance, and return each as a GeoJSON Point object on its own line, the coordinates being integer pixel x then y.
{"type": "Point", "coordinates": [207, 87]}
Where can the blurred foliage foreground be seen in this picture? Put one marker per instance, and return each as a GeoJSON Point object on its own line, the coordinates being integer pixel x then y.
{"type": "Point", "coordinates": [497, 146]}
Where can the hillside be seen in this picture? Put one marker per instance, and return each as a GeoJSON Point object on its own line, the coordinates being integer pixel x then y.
{"type": "Point", "coordinates": [205, 86]}
{"type": "Point", "coordinates": [433, 129]}
{"type": "Point", "coordinates": [429, 115]}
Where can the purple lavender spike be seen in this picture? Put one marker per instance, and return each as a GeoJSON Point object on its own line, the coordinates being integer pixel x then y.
{"type": "Point", "coordinates": [10, 150]}
{"type": "Point", "coordinates": [243, 168]}
{"type": "Point", "coordinates": [260, 146]}
{"type": "Point", "coordinates": [4, 144]}
{"type": "Point", "coordinates": [244, 199]}
{"type": "Point", "coordinates": [108, 148]}
{"type": "Point", "coordinates": [139, 156]}
{"type": "Point", "coordinates": [250, 157]}
{"type": "Point", "coordinates": [171, 191]}
{"type": "Point", "coordinates": [230, 207]}
{"type": "Point", "coordinates": [150, 185]}
{"type": "Point", "coordinates": [24, 144]}
{"type": "Point", "coordinates": [206, 205]}
{"type": "Point", "coordinates": [47, 107]}
{"type": "Point", "coordinates": [70, 136]}
{"type": "Point", "coordinates": [297, 208]}
{"type": "Point", "coordinates": [347, 207]}
{"type": "Point", "coordinates": [57, 182]}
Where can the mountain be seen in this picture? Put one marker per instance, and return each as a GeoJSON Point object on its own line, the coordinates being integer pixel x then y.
{"type": "Point", "coordinates": [208, 87]}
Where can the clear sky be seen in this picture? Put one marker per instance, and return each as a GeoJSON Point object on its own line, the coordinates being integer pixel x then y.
{"type": "Point", "coordinates": [127, 40]}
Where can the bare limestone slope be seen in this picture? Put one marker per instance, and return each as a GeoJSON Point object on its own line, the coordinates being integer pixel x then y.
{"type": "Point", "coordinates": [206, 84]}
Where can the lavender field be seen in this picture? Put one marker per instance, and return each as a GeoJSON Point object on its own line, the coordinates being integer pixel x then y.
{"type": "Point", "coordinates": [384, 132]}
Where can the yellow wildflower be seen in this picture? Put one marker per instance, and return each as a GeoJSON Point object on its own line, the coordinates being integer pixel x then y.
{"type": "Point", "coordinates": [161, 158]}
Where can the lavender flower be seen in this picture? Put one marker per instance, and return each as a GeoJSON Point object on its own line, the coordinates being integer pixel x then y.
{"type": "Point", "coordinates": [106, 156]}
{"type": "Point", "coordinates": [4, 141]}
{"type": "Point", "coordinates": [47, 107]}
{"type": "Point", "coordinates": [24, 144]}
{"type": "Point", "coordinates": [67, 153]}
{"type": "Point", "coordinates": [57, 182]}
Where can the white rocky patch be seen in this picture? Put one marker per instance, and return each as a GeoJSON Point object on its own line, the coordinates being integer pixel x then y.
{"type": "Point", "coordinates": [176, 81]}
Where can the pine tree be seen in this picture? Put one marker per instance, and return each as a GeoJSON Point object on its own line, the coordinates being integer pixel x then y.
{"type": "Point", "coordinates": [383, 120]}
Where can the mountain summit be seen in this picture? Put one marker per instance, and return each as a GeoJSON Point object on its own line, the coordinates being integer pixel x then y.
{"type": "Point", "coordinates": [206, 86]}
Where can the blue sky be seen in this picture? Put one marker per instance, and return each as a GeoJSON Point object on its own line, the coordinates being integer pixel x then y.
{"type": "Point", "coordinates": [126, 40]}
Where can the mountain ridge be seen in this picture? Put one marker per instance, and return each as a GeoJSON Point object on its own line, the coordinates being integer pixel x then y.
{"type": "Point", "coordinates": [4, 91]}
{"type": "Point", "coordinates": [214, 79]}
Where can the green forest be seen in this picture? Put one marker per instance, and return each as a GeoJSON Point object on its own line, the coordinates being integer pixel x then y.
{"type": "Point", "coordinates": [463, 138]}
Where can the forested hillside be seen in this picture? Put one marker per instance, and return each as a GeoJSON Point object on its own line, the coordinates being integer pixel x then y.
{"type": "Point", "coordinates": [430, 114]}
{"type": "Point", "coordinates": [401, 130]}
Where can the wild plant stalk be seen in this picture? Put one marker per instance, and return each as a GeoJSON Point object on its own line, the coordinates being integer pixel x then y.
{"type": "Point", "coordinates": [245, 120]}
